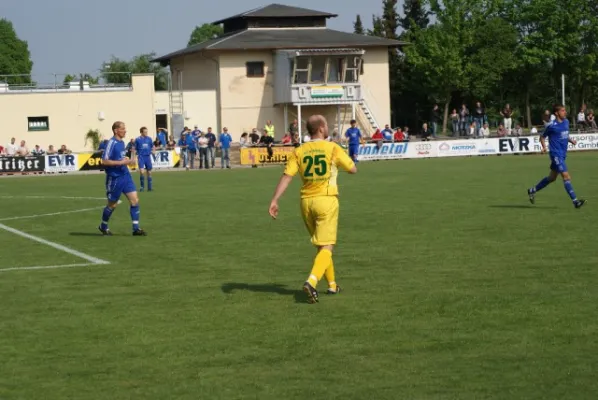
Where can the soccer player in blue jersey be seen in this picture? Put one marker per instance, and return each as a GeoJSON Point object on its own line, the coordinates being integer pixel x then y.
{"type": "Point", "coordinates": [557, 133]}
{"type": "Point", "coordinates": [143, 147]}
{"type": "Point", "coordinates": [119, 180]}
{"type": "Point", "coordinates": [353, 134]}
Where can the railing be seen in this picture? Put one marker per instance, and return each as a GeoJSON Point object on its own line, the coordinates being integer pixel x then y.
{"type": "Point", "coordinates": [22, 83]}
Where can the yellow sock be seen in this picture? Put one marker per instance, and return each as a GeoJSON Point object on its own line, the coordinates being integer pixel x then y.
{"type": "Point", "coordinates": [321, 263]}
{"type": "Point", "coordinates": [330, 276]}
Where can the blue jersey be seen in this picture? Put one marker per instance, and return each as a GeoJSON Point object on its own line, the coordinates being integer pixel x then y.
{"type": "Point", "coordinates": [354, 134]}
{"type": "Point", "coordinates": [225, 140]}
{"type": "Point", "coordinates": [558, 138]}
{"type": "Point", "coordinates": [144, 145]}
{"type": "Point", "coordinates": [115, 151]}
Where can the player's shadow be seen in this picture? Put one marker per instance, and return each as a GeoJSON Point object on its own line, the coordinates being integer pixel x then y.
{"type": "Point", "coordinates": [299, 296]}
{"type": "Point", "coordinates": [89, 234]}
{"type": "Point", "coordinates": [522, 206]}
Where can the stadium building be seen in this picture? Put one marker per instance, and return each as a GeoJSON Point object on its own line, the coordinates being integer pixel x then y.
{"type": "Point", "coordinates": [277, 63]}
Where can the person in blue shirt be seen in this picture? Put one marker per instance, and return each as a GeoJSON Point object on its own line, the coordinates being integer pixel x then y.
{"type": "Point", "coordinates": [353, 134]}
{"type": "Point", "coordinates": [119, 180]}
{"type": "Point", "coordinates": [182, 143]}
{"type": "Point", "coordinates": [225, 140]}
{"type": "Point", "coordinates": [162, 136]}
{"type": "Point", "coordinates": [103, 145]}
{"type": "Point", "coordinates": [387, 132]}
{"type": "Point", "coordinates": [557, 133]}
{"type": "Point", "coordinates": [191, 143]}
{"type": "Point", "coordinates": [144, 147]}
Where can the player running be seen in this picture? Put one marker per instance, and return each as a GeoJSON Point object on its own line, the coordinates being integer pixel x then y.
{"type": "Point", "coordinates": [557, 133]}
{"type": "Point", "coordinates": [144, 147]}
{"type": "Point", "coordinates": [317, 162]}
{"type": "Point", "coordinates": [119, 180]}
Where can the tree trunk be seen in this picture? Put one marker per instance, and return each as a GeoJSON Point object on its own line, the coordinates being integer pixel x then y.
{"type": "Point", "coordinates": [528, 109]}
{"type": "Point", "coordinates": [447, 103]}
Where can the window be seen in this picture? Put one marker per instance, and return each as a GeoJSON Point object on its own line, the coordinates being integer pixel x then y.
{"type": "Point", "coordinates": [255, 69]}
{"type": "Point", "coordinates": [318, 69]}
{"type": "Point", "coordinates": [38, 124]}
{"type": "Point", "coordinates": [301, 70]}
{"type": "Point", "coordinates": [335, 70]}
{"type": "Point", "coordinates": [353, 70]}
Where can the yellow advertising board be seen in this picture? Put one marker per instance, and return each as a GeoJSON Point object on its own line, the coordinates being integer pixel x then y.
{"type": "Point", "coordinates": [259, 155]}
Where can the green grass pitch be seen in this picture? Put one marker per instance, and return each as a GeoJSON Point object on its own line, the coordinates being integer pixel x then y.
{"type": "Point", "coordinates": [455, 287]}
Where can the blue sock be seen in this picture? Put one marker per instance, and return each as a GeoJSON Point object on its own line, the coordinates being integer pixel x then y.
{"type": "Point", "coordinates": [135, 216]}
{"type": "Point", "coordinates": [106, 217]}
{"type": "Point", "coordinates": [149, 183]}
{"type": "Point", "coordinates": [542, 184]}
{"type": "Point", "coordinates": [142, 180]}
{"type": "Point", "coordinates": [570, 191]}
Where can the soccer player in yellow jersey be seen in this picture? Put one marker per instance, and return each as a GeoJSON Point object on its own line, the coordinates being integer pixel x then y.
{"type": "Point", "coordinates": [317, 162]}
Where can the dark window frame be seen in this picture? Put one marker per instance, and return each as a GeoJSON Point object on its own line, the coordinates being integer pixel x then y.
{"type": "Point", "coordinates": [250, 71]}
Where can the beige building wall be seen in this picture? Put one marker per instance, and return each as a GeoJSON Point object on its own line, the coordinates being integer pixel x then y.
{"type": "Point", "coordinates": [195, 72]}
{"type": "Point", "coordinates": [72, 114]}
{"type": "Point", "coordinates": [376, 84]}
{"type": "Point", "coordinates": [247, 103]}
{"type": "Point", "coordinates": [201, 107]}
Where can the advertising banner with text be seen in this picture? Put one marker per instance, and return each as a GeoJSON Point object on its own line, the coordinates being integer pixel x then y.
{"type": "Point", "coordinates": [259, 155]}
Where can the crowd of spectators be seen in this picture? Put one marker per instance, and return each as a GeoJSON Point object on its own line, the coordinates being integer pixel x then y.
{"type": "Point", "coordinates": [21, 150]}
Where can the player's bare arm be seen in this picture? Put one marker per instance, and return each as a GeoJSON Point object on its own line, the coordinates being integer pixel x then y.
{"type": "Point", "coordinates": [543, 144]}
{"type": "Point", "coordinates": [113, 163]}
{"type": "Point", "coordinates": [282, 186]}
{"type": "Point", "coordinates": [573, 141]}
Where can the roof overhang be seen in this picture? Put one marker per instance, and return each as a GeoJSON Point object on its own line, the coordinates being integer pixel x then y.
{"type": "Point", "coordinates": [330, 51]}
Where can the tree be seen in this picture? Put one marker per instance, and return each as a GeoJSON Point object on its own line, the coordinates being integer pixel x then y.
{"type": "Point", "coordinates": [82, 77]}
{"type": "Point", "coordinates": [415, 15]}
{"type": "Point", "coordinates": [204, 32]}
{"type": "Point", "coordinates": [119, 71]}
{"type": "Point", "coordinates": [377, 27]}
{"type": "Point", "coordinates": [358, 26]}
{"type": "Point", "coordinates": [15, 58]}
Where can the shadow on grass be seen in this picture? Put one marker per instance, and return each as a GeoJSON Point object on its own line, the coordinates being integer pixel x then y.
{"type": "Point", "coordinates": [299, 296]}
{"type": "Point", "coordinates": [90, 234]}
{"type": "Point", "coordinates": [522, 206]}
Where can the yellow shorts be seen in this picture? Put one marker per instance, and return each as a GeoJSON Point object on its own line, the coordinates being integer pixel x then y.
{"type": "Point", "coordinates": [320, 215]}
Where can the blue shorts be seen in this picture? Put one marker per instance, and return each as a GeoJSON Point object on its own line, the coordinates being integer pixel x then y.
{"type": "Point", "coordinates": [558, 164]}
{"type": "Point", "coordinates": [144, 162]}
{"type": "Point", "coordinates": [353, 150]}
{"type": "Point", "coordinates": [116, 186]}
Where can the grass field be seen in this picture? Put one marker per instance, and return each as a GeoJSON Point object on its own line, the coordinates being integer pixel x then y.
{"type": "Point", "coordinates": [454, 287]}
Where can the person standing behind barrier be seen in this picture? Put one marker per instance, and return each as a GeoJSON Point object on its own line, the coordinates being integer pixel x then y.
{"type": "Point", "coordinates": [225, 140]}
{"type": "Point", "coordinates": [203, 151]}
{"type": "Point", "coordinates": [455, 122]}
{"type": "Point", "coordinates": [479, 115]}
{"type": "Point", "coordinates": [268, 141]}
{"type": "Point", "coordinates": [191, 149]}
{"type": "Point", "coordinates": [507, 114]}
{"type": "Point", "coordinates": [211, 147]}
{"type": "Point", "coordinates": [464, 120]}
{"type": "Point", "coordinates": [184, 154]}
{"type": "Point", "coordinates": [269, 129]}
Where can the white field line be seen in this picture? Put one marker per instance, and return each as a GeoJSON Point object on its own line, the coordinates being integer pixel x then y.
{"type": "Point", "coordinates": [48, 267]}
{"type": "Point", "coordinates": [50, 214]}
{"type": "Point", "coordinates": [53, 197]}
{"type": "Point", "coordinates": [91, 260]}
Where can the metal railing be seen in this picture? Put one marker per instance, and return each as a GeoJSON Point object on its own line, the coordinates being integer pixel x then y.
{"type": "Point", "coordinates": [23, 83]}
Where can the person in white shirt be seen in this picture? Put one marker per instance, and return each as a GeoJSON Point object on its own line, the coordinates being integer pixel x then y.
{"type": "Point", "coordinates": [306, 138]}
{"type": "Point", "coordinates": [23, 150]}
{"type": "Point", "coordinates": [202, 143]}
{"type": "Point", "coordinates": [485, 131]}
{"type": "Point", "coordinates": [581, 119]}
{"type": "Point", "coordinates": [12, 148]}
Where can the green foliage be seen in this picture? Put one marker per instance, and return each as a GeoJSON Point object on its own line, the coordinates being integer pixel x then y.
{"type": "Point", "coordinates": [377, 27]}
{"type": "Point", "coordinates": [93, 136]}
{"type": "Point", "coordinates": [415, 15]}
{"type": "Point", "coordinates": [358, 26]}
{"type": "Point", "coordinates": [204, 32]}
{"type": "Point", "coordinates": [118, 71]}
{"type": "Point", "coordinates": [81, 77]}
{"type": "Point", "coordinates": [14, 55]}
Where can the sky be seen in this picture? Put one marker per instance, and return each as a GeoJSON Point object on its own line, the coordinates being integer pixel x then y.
{"type": "Point", "coordinates": [77, 36]}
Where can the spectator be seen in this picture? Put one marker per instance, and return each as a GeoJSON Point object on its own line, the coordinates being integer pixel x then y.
{"type": "Point", "coordinates": [191, 143]}
{"type": "Point", "coordinates": [38, 151]}
{"type": "Point", "coordinates": [455, 122]}
{"type": "Point", "coordinates": [518, 131]}
{"type": "Point", "coordinates": [184, 153]}
{"type": "Point", "coordinates": [196, 131]}
{"type": "Point", "coordinates": [51, 150]}
{"type": "Point", "coordinates": [591, 120]}
{"type": "Point", "coordinates": [269, 129]}
{"type": "Point", "coordinates": [501, 131]}
{"type": "Point", "coordinates": [267, 140]}
{"type": "Point", "coordinates": [399, 136]}
{"type": "Point", "coordinates": [211, 147]}
{"type": "Point", "coordinates": [225, 141]}
{"type": "Point", "coordinates": [1, 150]}
{"type": "Point", "coordinates": [203, 143]}
{"type": "Point", "coordinates": [581, 119]}
{"type": "Point", "coordinates": [157, 144]}
{"type": "Point", "coordinates": [63, 150]}
{"type": "Point", "coordinates": [287, 139]}
{"type": "Point", "coordinates": [296, 140]}
{"type": "Point", "coordinates": [161, 136]}
{"type": "Point", "coordinates": [254, 137]}
{"type": "Point", "coordinates": [23, 150]}
{"type": "Point", "coordinates": [507, 114]}
{"type": "Point", "coordinates": [335, 137]}
{"type": "Point", "coordinates": [387, 132]}
{"type": "Point", "coordinates": [484, 132]}
{"type": "Point", "coordinates": [464, 119]}
{"type": "Point", "coordinates": [130, 147]}
{"type": "Point", "coordinates": [244, 140]}
{"type": "Point", "coordinates": [11, 148]}
{"type": "Point", "coordinates": [479, 116]}
{"type": "Point", "coordinates": [294, 128]}
{"type": "Point", "coordinates": [472, 129]}
{"type": "Point", "coordinates": [171, 144]}
{"type": "Point", "coordinates": [435, 119]}
{"type": "Point", "coordinates": [406, 132]}
{"type": "Point", "coordinates": [426, 132]}
{"type": "Point", "coordinates": [306, 138]}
